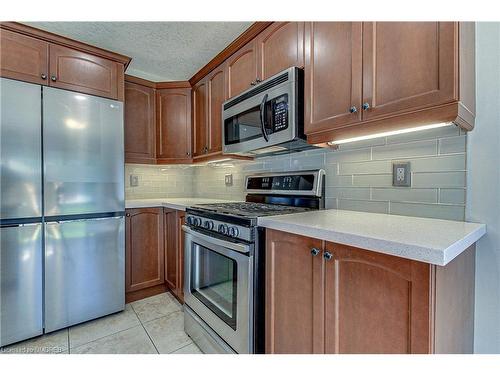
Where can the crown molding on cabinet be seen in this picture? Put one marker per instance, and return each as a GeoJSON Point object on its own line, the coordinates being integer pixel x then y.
{"type": "Point", "coordinates": [64, 41]}
{"type": "Point", "coordinates": [158, 85]}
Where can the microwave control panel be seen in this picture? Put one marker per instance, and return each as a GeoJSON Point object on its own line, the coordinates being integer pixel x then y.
{"type": "Point", "coordinates": [279, 106]}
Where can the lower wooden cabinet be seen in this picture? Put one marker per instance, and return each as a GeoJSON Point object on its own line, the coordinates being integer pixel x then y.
{"type": "Point", "coordinates": [329, 298]}
{"type": "Point", "coordinates": [154, 252]}
{"type": "Point", "coordinates": [144, 248]}
{"type": "Point", "coordinates": [174, 252]}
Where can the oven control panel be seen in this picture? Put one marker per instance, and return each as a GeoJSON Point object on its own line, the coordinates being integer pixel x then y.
{"type": "Point", "coordinates": [223, 228]}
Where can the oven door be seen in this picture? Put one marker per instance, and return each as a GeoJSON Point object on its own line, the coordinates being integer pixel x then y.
{"type": "Point", "coordinates": [218, 282]}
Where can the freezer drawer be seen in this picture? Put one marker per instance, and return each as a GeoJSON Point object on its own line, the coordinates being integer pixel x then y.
{"type": "Point", "coordinates": [21, 283]}
{"type": "Point", "coordinates": [20, 150]}
{"type": "Point", "coordinates": [83, 153]}
{"type": "Point", "coordinates": [84, 270]}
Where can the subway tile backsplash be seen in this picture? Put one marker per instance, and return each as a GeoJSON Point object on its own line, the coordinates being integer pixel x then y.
{"type": "Point", "coordinates": [358, 175]}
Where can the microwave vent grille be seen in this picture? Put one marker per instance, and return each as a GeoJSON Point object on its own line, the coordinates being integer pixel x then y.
{"type": "Point", "coordinates": [257, 90]}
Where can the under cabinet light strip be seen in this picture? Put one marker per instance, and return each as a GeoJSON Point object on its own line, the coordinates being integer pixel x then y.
{"type": "Point", "coordinates": [389, 133]}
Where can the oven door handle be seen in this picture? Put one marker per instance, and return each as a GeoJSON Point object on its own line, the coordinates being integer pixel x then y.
{"type": "Point", "coordinates": [263, 118]}
{"type": "Point", "coordinates": [239, 247]}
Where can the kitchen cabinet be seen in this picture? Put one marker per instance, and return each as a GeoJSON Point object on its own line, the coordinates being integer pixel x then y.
{"type": "Point", "coordinates": [140, 124]}
{"type": "Point", "coordinates": [407, 65]}
{"type": "Point", "coordinates": [174, 252]}
{"type": "Point", "coordinates": [36, 56]}
{"type": "Point", "coordinates": [279, 46]}
{"type": "Point", "coordinates": [200, 118]}
{"type": "Point", "coordinates": [144, 248]}
{"type": "Point", "coordinates": [387, 76]}
{"type": "Point", "coordinates": [241, 69]}
{"type": "Point", "coordinates": [173, 130]}
{"type": "Point", "coordinates": [24, 58]}
{"type": "Point", "coordinates": [332, 81]}
{"type": "Point", "coordinates": [71, 69]}
{"type": "Point", "coordinates": [208, 96]}
{"type": "Point", "coordinates": [341, 299]}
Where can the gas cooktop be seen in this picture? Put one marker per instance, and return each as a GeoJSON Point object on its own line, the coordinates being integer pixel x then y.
{"type": "Point", "coordinates": [250, 209]}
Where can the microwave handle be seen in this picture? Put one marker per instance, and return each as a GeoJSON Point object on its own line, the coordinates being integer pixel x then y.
{"type": "Point", "coordinates": [263, 118]}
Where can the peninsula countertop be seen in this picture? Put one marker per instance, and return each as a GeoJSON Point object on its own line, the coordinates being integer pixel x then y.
{"type": "Point", "coordinates": [431, 241]}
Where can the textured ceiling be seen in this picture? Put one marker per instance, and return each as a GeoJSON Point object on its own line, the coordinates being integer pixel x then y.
{"type": "Point", "coordinates": [160, 51]}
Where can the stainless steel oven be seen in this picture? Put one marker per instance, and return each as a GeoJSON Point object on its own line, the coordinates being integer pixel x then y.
{"type": "Point", "coordinates": [218, 291]}
{"type": "Point", "coordinates": [268, 118]}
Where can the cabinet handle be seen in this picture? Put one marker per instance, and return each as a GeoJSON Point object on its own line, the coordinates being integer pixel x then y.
{"type": "Point", "coordinates": [327, 255]}
{"type": "Point", "coordinates": [43, 76]}
{"type": "Point", "coordinates": [366, 106]}
{"type": "Point", "coordinates": [315, 251]}
{"type": "Point", "coordinates": [53, 78]}
{"type": "Point", "coordinates": [353, 109]}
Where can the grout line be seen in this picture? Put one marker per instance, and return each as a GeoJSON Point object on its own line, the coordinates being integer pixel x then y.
{"type": "Point", "coordinates": [69, 347]}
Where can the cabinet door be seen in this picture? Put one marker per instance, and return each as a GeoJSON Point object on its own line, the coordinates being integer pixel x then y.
{"type": "Point", "coordinates": [200, 114]}
{"type": "Point", "coordinates": [171, 253]}
{"type": "Point", "coordinates": [375, 303]}
{"type": "Point", "coordinates": [216, 96]}
{"type": "Point", "coordinates": [23, 58]}
{"type": "Point", "coordinates": [294, 289]}
{"type": "Point", "coordinates": [333, 75]}
{"type": "Point", "coordinates": [144, 248]}
{"type": "Point", "coordinates": [79, 71]}
{"type": "Point", "coordinates": [139, 124]}
{"type": "Point", "coordinates": [241, 69]}
{"type": "Point", "coordinates": [408, 65]}
{"type": "Point", "coordinates": [173, 129]}
{"type": "Point", "coordinates": [279, 47]}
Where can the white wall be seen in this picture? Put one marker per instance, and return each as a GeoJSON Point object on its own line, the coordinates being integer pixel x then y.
{"type": "Point", "coordinates": [483, 186]}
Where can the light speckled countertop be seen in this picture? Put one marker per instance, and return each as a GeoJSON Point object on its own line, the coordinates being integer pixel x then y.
{"type": "Point", "coordinates": [173, 203]}
{"type": "Point", "coordinates": [427, 240]}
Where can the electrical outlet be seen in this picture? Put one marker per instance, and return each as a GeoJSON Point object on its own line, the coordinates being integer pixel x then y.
{"type": "Point", "coordinates": [228, 179]}
{"type": "Point", "coordinates": [401, 174]}
{"type": "Point", "coordinates": [134, 180]}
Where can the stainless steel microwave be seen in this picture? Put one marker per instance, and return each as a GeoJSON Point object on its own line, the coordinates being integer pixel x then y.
{"type": "Point", "coordinates": [268, 118]}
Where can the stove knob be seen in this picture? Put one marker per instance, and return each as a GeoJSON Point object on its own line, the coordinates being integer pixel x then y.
{"type": "Point", "coordinates": [223, 228]}
{"type": "Point", "coordinates": [208, 224]}
{"type": "Point", "coordinates": [197, 222]}
{"type": "Point", "coordinates": [234, 232]}
{"type": "Point", "coordinates": [190, 220]}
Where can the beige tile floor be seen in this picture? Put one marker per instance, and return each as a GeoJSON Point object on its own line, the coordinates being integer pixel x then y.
{"type": "Point", "coordinates": [152, 325]}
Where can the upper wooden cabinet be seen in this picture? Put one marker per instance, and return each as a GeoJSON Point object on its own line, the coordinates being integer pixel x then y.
{"type": "Point", "coordinates": [200, 118]}
{"type": "Point", "coordinates": [408, 65]}
{"type": "Point", "coordinates": [79, 71]}
{"type": "Point", "coordinates": [216, 96]}
{"type": "Point", "coordinates": [144, 248]}
{"type": "Point", "coordinates": [36, 56]}
{"type": "Point", "coordinates": [279, 47]}
{"type": "Point", "coordinates": [387, 76]}
{"type": "Point", "coordinates": [173, 131]}
{"type": "Point", "coordinates": [333, 81]}
{"type": "Point", "coordinates": [341, 299]}
{"type": "Point", "coordinates": [24, 58]}
{"type": "Point", "coordinates": [241, 69]}
{"type": "Point", "coordinates": [139, 124]}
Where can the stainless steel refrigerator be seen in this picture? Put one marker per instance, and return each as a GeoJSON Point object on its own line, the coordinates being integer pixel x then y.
{"type": "Point", "coordinates": [62, 208]}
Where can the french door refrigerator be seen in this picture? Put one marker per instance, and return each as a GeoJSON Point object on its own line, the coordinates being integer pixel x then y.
{"type": "Point", "coordinates": [62, 209]}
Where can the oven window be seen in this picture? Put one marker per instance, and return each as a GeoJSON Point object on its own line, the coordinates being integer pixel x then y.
{"type": "Point", "coordinates": [243, 127]}
{"type": "Point", "coordinates": [213, 282]}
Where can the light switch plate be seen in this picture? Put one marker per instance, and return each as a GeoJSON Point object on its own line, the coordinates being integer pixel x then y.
{"type": "Point", "coordinates": [228, 179]}
{"type": "Point", "coordinates": [401, 174]}
{"type": "Point", "coordinates": [134, 180]}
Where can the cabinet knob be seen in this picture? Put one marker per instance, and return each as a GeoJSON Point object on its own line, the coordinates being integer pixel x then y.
{"type": "Point", "coordinates": [353, 109]}
{"type": "Point", "coordinates": [53, 78]}
{"type": "Point", "coordinates": [127, 214]}
{"type": "Point", "coordinates": [366, 106]}
{"type": "Point", "coordinates": [253, 83]}
{"type": "Point", "coordinates": [188, 153]}
{"type": "Point", "coordinates": [315, 251]}
{"type": "Point", "coordinates": [257, 80]}
{"type": "Point", "coordinates": [327, 255]}
{"type": "Point", "coordinates": [43, 76]}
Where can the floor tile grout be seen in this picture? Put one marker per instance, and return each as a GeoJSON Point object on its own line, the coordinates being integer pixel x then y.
{"type": "Point", "coordinates": [111, 334]}
{"type": "Point", "coordinates": [145, 330]}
